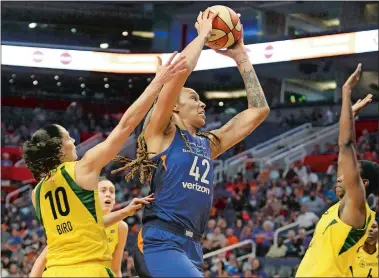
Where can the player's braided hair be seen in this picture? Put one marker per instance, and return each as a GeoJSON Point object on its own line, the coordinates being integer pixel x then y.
{"type": "Point", "coordinates": [142, 164]}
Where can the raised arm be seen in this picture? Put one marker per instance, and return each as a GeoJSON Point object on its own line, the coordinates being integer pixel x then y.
{"type": "Point", "coordinates": [96, 158]}
{"type": "Point", "coordinates": [245, 122]}
{"type": "Point", "coordinates": [357, 108]}
{"type": "Point", "coordinates": [170, 91]}
{"type": "Point", "coordinates": [354, 210]}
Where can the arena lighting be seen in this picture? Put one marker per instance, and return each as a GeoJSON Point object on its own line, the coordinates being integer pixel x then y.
{"type": "Point", "coordinates": [221, 104]}
{"type": "Point", "coordinates": [56, 77]}
{"type": "Point", "coordinates": [125, 33]}
{"type": "Point", "coordinates": [32, 25]}
{"type": "Point", "coordinates": [35, 82]}
{"type": "Point", "coordinates": [73, 30]}
{"type": "Point", "coordinates": [224, 95]}
{"type": "Point", "coordinates": [82, 85]}
{"type": "Point", "coordinates": [106, 86]}
{"type": "Point", "coordinates": [104, 45]}
{"type": "Point", "coordinates": [261, 53]}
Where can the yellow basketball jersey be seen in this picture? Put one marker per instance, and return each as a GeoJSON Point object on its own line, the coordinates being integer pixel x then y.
{"type": "Point", "coordinates": [72, 219]}
{"type": "Point", "coordinates": [112, 235]}
{"type": "Point", "coordinates": [365, 265]}
{"type": "Point", "coordinates": [334, 246]}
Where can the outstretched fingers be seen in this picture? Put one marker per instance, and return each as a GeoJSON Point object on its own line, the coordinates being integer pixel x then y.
{"type": "Point", "coordinates": [171, 58]}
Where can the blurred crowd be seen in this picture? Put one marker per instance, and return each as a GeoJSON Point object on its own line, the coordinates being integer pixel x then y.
{"type": "Point", "coordinates": [248, 207]}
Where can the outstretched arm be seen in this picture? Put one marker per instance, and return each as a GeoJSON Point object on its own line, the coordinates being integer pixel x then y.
{"type": "Point", "coordinates": [135, 205]}
{"type": "Point", "coordinates": [96, 158]}
{"type": "Point", "coordinates": [354, 209]}
{"type": "Point", "coordinates": [39, 264]}
{"type": "Point", "coordinates": [119, 251]}
{"type": "Point", "coordinates": [170, 92]}
{"type": "Point", "coordinates": [245, 122]}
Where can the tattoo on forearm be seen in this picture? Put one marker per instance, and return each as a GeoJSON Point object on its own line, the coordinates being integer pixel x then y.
{"type": "Point", "coordinates": [242, 61]}
{"type": "Point", "coordinates": [255, 95]}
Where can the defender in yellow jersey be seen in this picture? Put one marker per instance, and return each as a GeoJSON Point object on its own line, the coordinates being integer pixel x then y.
{"type": "Point", "coordinates": [343, 228]}
{"type": "Point", "coordinates": [116, 234]}
{"type": "Point", "coordinates": [366, 260]}
{"type": "Point", "coordinates": [64, 199]}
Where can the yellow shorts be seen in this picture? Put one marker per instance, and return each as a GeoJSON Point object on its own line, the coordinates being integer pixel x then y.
{"type": "Point", "coordinates": [95, 270]}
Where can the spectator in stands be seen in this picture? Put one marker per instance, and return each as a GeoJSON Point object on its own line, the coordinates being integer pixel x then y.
{"type": "Point", "coordinates": [278, 250]}
{"type": "Point", "coordinates": [5, 161]}
{"type": "Point", "coordinates": [211, 226]}
{"type": "Point", "coordinates": [316, 150]}
{"type": "Point", "coordinates": [265, 238]}
{"type": "Point", "coordinates": [238, 227]}
{"type": "Point", "coordinates": [217, 239]}
{"type": "Point", "coordinates": [232, 266]}
{"type": "Point", "coordinates": [221, 270]}
{"type": "Point", "coordinates": [303, 239]}
{"type": "Point", "coordinates": [314, 203]}
{"type": "Point", "coordinates": [307, 219]}
{"type": "Point", "coordinates": [230, 237]}
{"type": "Point", "coordinates": [15, 238]}
{"type": "Point", "coordinates": [257, 269]}
{"type": "Point", "coordinates": [274, 173]}
{"type": "Point", "coordinates": [293, 247]}
{"type": "Point", "coordinates": [310, 177]}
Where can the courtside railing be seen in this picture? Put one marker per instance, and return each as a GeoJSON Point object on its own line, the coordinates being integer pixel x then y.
{"type": "Point", "coordinates": [232, 247]}
{"type": "Point", "coordinates": [15, 193]}
{"type": "Point", "coordinates": [288, 227]}
{"type": "Point", "coordinates": [261, 150]}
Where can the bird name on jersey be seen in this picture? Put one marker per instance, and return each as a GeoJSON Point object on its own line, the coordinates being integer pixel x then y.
{"type": "Point", "coordinates": [64, 227]}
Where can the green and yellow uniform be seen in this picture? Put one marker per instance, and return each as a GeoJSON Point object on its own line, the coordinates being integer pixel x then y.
{"type": "Point", "coordinates": [365, 265]}
{"type": "Point", "coordinates": [73, 222]}
{"type": "Point", "coordinates": [112, 236]}
{"type": "Point", "coordinates": [334, 246]}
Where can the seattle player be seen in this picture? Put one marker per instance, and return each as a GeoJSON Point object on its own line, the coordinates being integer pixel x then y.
{"type": "Point", "coordinates": [343, 227]}
{"type": "Point", "coordinates": [366, 262]}
{"type": "Point", "coordinates": [182, 183]}
{"type": "Point", "coordinates": [64, 198]}
{"type": "Point", "coordinates": [116, 233]}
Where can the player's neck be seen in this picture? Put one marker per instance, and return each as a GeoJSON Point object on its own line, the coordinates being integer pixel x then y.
{"type": "Point", "coordinates": [369, 249]}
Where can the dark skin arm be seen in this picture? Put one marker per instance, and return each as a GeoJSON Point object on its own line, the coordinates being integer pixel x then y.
{"type": "Point", "coordinates": [353, 207]}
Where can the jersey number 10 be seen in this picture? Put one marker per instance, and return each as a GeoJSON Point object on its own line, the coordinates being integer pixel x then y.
{"type": "Point", "coordinates": [57, 195]}
{"type": "Point", "coordinates": [195, 170]}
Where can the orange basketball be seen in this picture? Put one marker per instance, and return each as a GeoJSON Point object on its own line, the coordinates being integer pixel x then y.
{"type": "Point", "coordinates": [226, 28]}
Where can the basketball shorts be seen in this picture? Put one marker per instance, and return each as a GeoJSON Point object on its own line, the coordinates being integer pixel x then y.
{"type": "Point", "coordinates": [162, 253]}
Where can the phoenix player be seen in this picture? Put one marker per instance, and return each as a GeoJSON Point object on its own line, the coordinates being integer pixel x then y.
{"type": "Point", "coordinates": [343, 227]}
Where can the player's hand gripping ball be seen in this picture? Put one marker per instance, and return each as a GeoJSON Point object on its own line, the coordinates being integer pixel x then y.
{"type": "Point", "coordinates": [226, 28]}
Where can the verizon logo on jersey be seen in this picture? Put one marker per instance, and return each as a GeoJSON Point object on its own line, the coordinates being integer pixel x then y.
{"type": "Point", "coordinates": [195, 186]}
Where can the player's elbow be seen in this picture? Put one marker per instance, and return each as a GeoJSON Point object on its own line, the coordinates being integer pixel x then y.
{"type": "Point", "coordinates": [258, 114]}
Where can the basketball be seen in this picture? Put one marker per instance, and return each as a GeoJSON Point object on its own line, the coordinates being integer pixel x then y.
{"type": "Point", "coordinates": [226, 28]}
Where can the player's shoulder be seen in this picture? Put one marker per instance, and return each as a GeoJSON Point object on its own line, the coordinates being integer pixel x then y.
{"type": "Point", "coordinates": [123, 226]}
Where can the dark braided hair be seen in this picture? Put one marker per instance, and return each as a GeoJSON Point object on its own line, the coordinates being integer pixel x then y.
{"type": "Point", "coordinates": [142, 164]}
{"type": "Point", "coordinates": [43, 153]}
